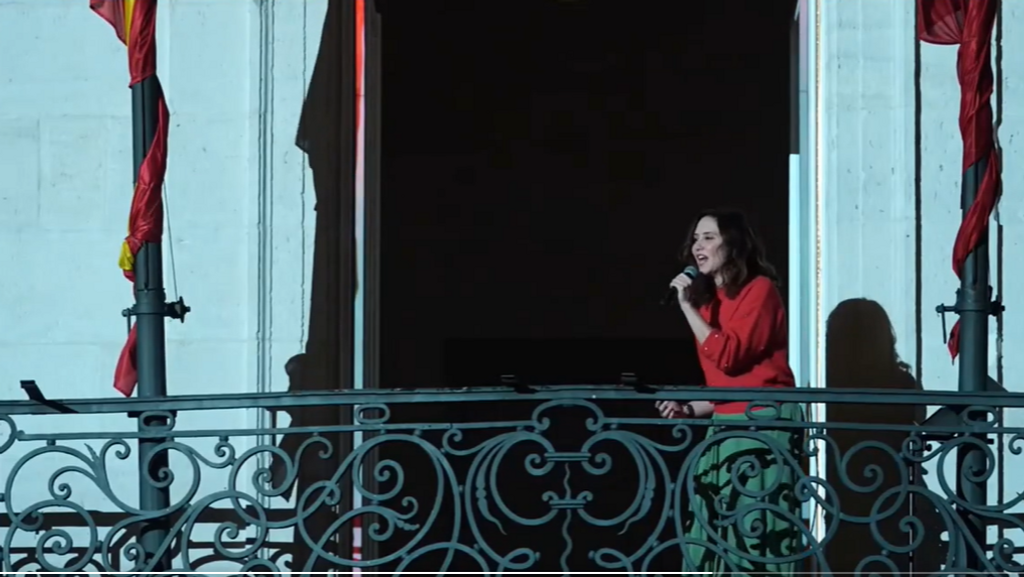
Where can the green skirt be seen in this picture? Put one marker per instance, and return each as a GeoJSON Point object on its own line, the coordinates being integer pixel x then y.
{"type": "Point", "coordinates": [744, 517]}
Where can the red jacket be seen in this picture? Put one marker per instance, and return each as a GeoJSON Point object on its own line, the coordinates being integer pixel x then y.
{"type": "Point", "coordinates": [748, 341]}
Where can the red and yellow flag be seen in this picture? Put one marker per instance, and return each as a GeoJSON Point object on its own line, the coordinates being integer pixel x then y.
{"type": "Point", "coordinates": [134, 21]}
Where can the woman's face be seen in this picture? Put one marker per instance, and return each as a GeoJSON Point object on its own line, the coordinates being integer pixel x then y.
{"type": "Point", "coordinates": [708, 249]}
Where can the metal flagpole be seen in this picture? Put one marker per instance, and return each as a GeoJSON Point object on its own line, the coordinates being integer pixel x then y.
{"type": "Point", "coordinates": [974, 305]}
{"type": "Point", "coordinates": [150, 310]}
{"type": "Point", "coordinates": [143, 363]}
{"type": "Point", "coordinates": [970, 25]}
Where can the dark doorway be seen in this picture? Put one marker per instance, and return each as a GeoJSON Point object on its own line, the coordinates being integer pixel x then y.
{"type": "Point", "coordinates": [542, 158]}
{"type": "Point", "coordinates": [541, 161]}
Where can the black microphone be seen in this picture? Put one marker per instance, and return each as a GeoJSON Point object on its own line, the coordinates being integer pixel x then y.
{"type": "Point", "coordinates": [690, 271]}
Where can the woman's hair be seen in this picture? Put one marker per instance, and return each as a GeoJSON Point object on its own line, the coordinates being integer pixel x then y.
{"type": "Point", "coordinates": [743, 251]}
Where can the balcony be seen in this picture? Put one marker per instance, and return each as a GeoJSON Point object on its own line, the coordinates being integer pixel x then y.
{"type": "Point", "coordinates": [561, 478]}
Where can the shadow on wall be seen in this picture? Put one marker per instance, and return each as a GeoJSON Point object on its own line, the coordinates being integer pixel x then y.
{"type": "Point", "coordinates": [860, 350]}
{"type": "Point", "coordinates": [326, 135]}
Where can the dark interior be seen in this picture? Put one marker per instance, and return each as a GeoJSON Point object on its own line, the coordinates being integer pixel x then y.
{"type": "Point", "coordinates": [541, 163]}
{"type": "Point", "coordinates": [542, 160]}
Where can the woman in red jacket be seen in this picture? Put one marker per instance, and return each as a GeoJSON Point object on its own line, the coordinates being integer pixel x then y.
{"type": "Point", "coordinates": [745, 515]}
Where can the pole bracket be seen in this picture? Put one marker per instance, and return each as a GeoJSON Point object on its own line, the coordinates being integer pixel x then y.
{"type": "Point", "coordinates": [992, 307]}
{"type": "Point", "coordinates": [172, 310]}
{"type": "Point", "coordinates": [177, 309]}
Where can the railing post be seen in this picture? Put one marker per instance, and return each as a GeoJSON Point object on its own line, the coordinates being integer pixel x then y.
{"type": "Point", "coordinates": [150, 311]}
{"type": "Point", "coordinates": [974, 305]}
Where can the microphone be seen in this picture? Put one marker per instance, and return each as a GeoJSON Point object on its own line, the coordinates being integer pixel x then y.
{"type": "Point", "coordinates": [690, 271]}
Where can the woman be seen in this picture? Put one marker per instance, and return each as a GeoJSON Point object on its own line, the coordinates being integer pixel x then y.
{"type": "Point", "coordinates": [744, 512]}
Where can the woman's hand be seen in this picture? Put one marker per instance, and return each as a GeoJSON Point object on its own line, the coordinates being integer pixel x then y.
{"type": "Point", "coordinates": [669, 409]}
{"type": "Point", "coordinates": [691, 410]}
{"type": "Point", "coordinates": [682, 283]}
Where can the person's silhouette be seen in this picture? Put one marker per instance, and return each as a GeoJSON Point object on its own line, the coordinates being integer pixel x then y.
{"type": "Point", "coordinates": [860, 352]}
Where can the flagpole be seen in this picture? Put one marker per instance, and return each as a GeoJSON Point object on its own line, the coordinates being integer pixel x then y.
{"type": "Point", "coordinates": [970, 24]}
{"type": "Point", "coordinates": [150, 309]}
{"type": "Point", "coordinates": [974, 302]}
{"type": "Point", "coordinates": [142, 366]}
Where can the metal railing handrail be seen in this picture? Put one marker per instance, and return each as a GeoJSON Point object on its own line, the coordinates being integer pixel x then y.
{"type": "Point", "coordinates": [288, 400]}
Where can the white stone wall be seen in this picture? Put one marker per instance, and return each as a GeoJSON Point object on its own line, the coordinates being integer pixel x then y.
{"type": "Point", "coordinates": [867, 159]}
{"type": "Point", "coordinates": [868, 171]}
{"type": "Point", "coordinates": [240, 199]}
{"type": "Point", "coordinates": [1009, 363]}
{"type": "Point", "coordinates": [239, 196]}
{"type": "Point", "coordinates": [884, 235]}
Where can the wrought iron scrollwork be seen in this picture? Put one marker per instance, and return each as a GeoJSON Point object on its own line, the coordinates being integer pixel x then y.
{"type": "Point", "coordinates": [572, 485]}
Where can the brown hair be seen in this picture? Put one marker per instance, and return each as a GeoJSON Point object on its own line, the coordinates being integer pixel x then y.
{"type": "Point", "coordinates": [744, 257]}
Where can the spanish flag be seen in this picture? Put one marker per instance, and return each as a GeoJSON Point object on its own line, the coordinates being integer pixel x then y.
{"type": "Point", "coordinates": [134, 21]}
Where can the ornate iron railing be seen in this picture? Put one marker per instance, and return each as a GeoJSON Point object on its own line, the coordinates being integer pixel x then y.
{"type": "Point", "coordinates": [503, 480]}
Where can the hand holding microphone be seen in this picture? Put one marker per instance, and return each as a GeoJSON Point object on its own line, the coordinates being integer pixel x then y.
{"type": "Point", "coordinates": [677, 288]}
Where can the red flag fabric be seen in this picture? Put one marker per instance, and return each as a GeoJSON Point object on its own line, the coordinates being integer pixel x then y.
{"type": "Point", "coordinates": [134, 22]}
{"type": "Point", "coordinates": [146, 217]}
{"type": "Point", "coordinates": [113, 12]}
{"type": "Point", "coordinates": [969, 23]}
{"type": "Point", "coordinates": [126, 374]}
{"type": "Point", "coordinates": [940, 21]}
